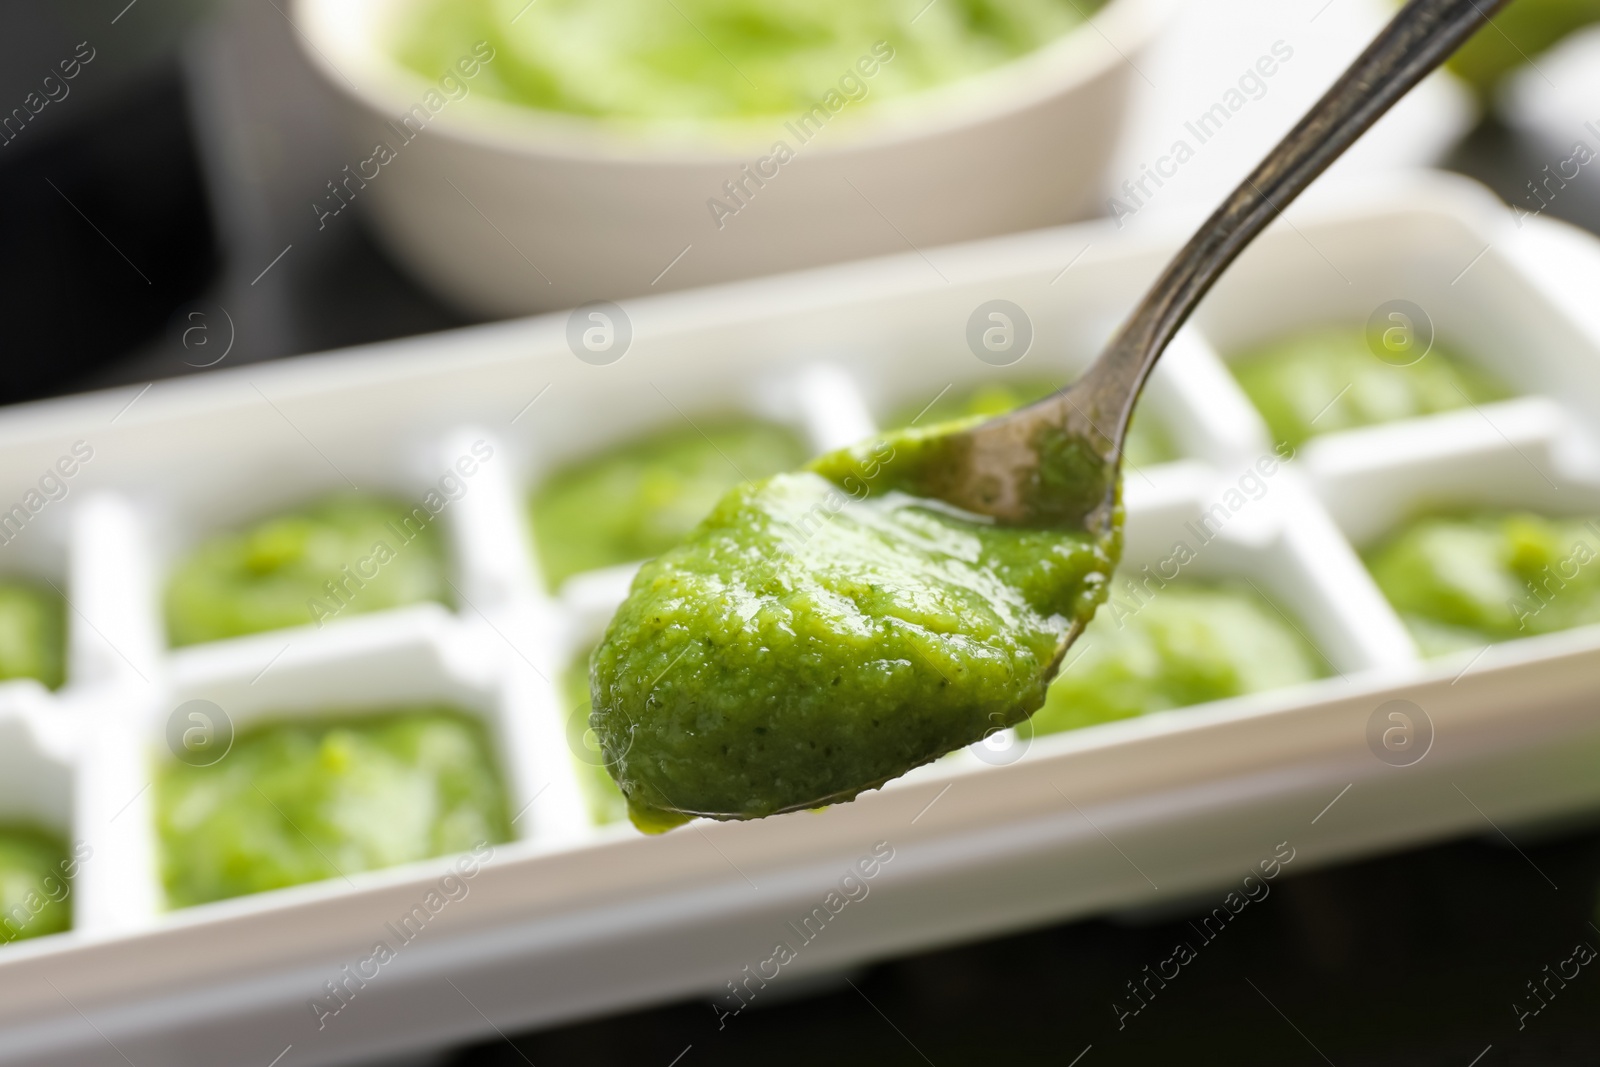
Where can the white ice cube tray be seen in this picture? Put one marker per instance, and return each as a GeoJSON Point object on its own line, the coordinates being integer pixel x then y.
{"type": "Point", "coordinates": [573, 918]}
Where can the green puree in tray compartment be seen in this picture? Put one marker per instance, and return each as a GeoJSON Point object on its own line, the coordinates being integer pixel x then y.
{"type": "Point", "coordinates": [824, 631]}
{"type": "Point", "coordinates": [600, 793]}
{"type": "Point", "coordinates": [35, 894]}
{"type": "Point", "coordinates": [33, 634]}
{"type": "Point", "coordinates": [639, 498]}
{"type": "Point", "coordinates": [1328, 379]}
{"type": "Point", "coordinates": [1187, 644]}
{"type": "Point", "coordinates": [1147, 443]}
{"type": "Point", "coordinates": [343, 555]}
{"type": "Point", "coordinates": [714, 59]}
{"type": "Point", "coordinates": [306, 799]}
{"type": "Point", "coordinates": [1466, 581]}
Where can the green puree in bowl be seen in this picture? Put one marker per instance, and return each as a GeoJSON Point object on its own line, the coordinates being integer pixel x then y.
{"type": "Point", "coordinates": [1467, 581]}
{"type": "Point", "coordinates": [341, 556]}
{"type": "Point", "coordinates": [1518, 35]}
{"type": "Point", "coordinates": [640, 498]}
{"type": "Point", "coordinates": [33, 634]}
{"type": "Point", "coordinates": [303, 800]}
{"type": "Point", "coordinates": [717, 59]}
{"type": "Point", "coordinates": [1146, 444]}
{"type": "Point", "coordinates": [1187, 644]}
{"type": "Point", "coordinates": [1328, 379]}
{"type": "Point", "coordinates": [823, 632]}
{"type": "Point", "coordinates": [35, 894]}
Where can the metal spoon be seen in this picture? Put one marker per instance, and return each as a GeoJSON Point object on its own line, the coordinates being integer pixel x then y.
{"type": "Point", "coordinates": [996, 467]}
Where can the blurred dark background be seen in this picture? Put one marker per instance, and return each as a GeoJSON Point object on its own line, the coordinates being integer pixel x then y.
{"type": "Point", "coordinates": [143, 202]}
{"type": "Point", "coordinates": [139, 224]}
{"type": "Point", "coordinates": [1412, 960]}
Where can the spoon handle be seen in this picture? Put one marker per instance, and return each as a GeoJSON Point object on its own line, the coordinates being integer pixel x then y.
{"type": "Point", "coordinates": [1421, 36]}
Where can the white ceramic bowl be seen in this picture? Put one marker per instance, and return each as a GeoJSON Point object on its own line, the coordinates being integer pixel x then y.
{"type": "Point", "coordinates": [508, 210]}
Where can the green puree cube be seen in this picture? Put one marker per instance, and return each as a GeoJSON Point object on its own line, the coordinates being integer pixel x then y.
{"type": "Point", "coordinates": [605, 800]}
{"type": "Point", "coordinates": [340, 556]}
{"type": "Point", "coordinates": [1188, 644]}
{"type": "Point", "coordinates": [35, 891]}
{"type": "Point", "coordinates": [308, 799]}
{"type": "Point", "coordinates": [1147, 442]}
{"type": "Point", "coordinates": [1328, 379]}
{"type": "Point", "coordinates": [1467, 581]}
{"type": "Point", "coordinates": [33, 634]}
{"type": "Point", "coordinates": [638, 499]}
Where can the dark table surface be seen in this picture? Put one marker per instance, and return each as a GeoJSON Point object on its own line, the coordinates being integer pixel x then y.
{"type": "Point", "coordinates": [1438, 955]}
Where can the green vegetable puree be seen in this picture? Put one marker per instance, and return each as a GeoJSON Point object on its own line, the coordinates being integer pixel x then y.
{"type": "Point", "coordinates": [717, 59]}
{"type": "Point", "coordinates": [640, 498]}
{"type": "Point", "coordinates": [33, 634]}
{"type": "Point", "coordinates": [600, 792]}
{"type": "Point", "coordinates": [1328, 379]}
{"type": "Point", "coordinates": [1188, 644]}
{"type": "Point", "coordinates": [1466, 581]}
{"type": "Point", "coordinates": [304, 800]}
{"type": "Point", "coordinates": [35, 893]}
{"type": "Point", "coordinates": [824, 631]}
{"type": "Point", "coordinates": [343, 555]}
{"type": "Point", "coordinates": [1145, 445]}
{"type": "Point", "coordinates": [1518, 34]}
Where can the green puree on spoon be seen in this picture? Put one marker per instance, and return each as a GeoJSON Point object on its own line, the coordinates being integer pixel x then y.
{"type": "Point", "coordinates": [820, 633]}
{"type": "Point", "coordinates": [824, 631]}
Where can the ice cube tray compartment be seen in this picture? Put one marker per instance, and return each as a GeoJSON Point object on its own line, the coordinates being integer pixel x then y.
{"type": "Point", "coordinates": [1527, 453]}
{"type": "Point", "coordinates": [416, 655]}
{"type": "Point", "coordinates": [1464, 282]}
{"type": "Point", "coordinates": [829, 353]}
{"type": "Point", "coordinates": [1282, 544]}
